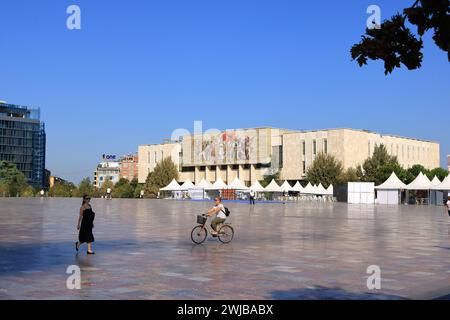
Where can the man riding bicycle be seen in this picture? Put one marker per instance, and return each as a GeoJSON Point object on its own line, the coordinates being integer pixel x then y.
{"type": "Point", "coordinates": [219, 211]}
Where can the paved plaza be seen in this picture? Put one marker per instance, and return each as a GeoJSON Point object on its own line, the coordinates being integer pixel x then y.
{"type": "Point", "coordinates": [299, 250]}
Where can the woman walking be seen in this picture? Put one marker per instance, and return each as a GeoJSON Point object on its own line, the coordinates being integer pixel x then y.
{"type": "Point", "coordinates": [85, 225]}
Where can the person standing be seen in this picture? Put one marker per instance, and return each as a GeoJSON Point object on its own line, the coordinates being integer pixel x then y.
{"type": "Point", "coordinates": [448, 206]}
{"type": "Point", "coordinates": [252, 197]}
{"type": "Point", "coordinates": [85, 225]}
{"type": "Point", "coordinates": [108, 193]}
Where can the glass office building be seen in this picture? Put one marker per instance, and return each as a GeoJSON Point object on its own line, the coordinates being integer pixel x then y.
{"type": "Point", "coordinates": [22, 141]}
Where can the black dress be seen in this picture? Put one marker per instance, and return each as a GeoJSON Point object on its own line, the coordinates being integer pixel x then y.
{"type": "Point", "coordinates": [87, 223]}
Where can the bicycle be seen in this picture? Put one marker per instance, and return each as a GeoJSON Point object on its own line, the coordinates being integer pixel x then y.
{"type": "Point", "coordinates": [200, 232]}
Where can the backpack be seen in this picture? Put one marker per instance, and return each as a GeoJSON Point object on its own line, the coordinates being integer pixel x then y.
{"type": "Point", "coordinates": [226, 211]}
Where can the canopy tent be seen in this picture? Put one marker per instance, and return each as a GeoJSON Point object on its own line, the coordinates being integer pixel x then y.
{"type": "Point", "coordinates": [237, 184]}
{"type": "Point", "coordinates": [420, 183]}
{"type": "Point", "coordinates": [273, 187]}
{"type": "Point", "coordinates": [435, 182]}
{"type": "Point", "coordinates": [204, 184]}
{"type": "Point", "coordinates": [330, 190]}
{"type": "Point", "coordinates": [444, 186]}
{"type": "Point", "coordinates": [286, 187]}
{"type": "Point", "coordinates": [298, 187]}
{"type": "Point", "coordinates": [392, 183]}
{"type": "Point", "coordinates": [218, 185]}
{"type": "Point", "coordinates": [187, 185]}
{"type": "Point", "coordinates": [257, 187]}
{"type": "Point", "coordinates": [172, 186]}
{"type": "Point", "coordinates": [309, 189]}
{"type": "Point", "coordinates": [389, 191]}
{"type": "Point", "coordinates": [321, 190]}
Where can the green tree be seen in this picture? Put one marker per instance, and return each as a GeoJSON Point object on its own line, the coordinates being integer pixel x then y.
{"type": "Point", "coordinates": [85, 188]}
{"type": "Point", "coordinates": [105, 185]}
{"type": "Point", "coordinates": [384, 172]}
{"type": "Point", "coordinates": [164, 172]}
{"type": "Point", "coordinates": [123, 189]}
{"type": "Point", "coordinates": [349, 175]}
{"type": "Point", "coordinates": [380, 157]}
{"type": "Point", "coordinates": [395, 44]}
{"type": "Point", "coordinates": [12, 180]}
{"type": "Point", "coordinates": [441, 173]}
{"type": "Point", "coordinates": [325, 169]}
{"type": "Point", "coordinates": [63, 189]}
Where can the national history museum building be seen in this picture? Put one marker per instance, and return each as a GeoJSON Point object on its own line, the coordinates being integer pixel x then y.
{"type": "Point", "coordinates": [250, 154]}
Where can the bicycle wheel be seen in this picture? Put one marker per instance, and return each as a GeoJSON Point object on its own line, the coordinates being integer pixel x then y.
{"type": "Point", "coordinates": [226, 233]}
{"type": "Point", "coordinates": [198, 234]}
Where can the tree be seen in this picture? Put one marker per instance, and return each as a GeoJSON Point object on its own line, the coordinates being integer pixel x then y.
{"type": "Point", "coordinates": [441, 173]}
{"type": "Point", "coordinates": [325, 169]}
{"type": "Point", "coordinates": [415, 170]}
{"type": "Point", "coordinates": [85, 188]}
{"type": "Point", "coordinates": [395, 44]}
{"type": "Point", "coordinates": [380, 157]}
{"type": "Point", "coordinates": [123, 189]}
{"type": "Point", "coordinates": [13, 182]}
{"type": "Point", "coordinates": [384, 171]}
{"type": "Point", "coordinates": [105, 185]}
{"type": "Point", "coordinates": [349, 175]}
{"type": "Point", "coordinates": [63, 189]}
{"type": "Point", "coordinates": [164, 172]}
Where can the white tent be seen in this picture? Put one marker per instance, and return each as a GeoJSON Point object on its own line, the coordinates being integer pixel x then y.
{"type": "Point", "coordinates": [298, 187]}
{"type": "Point", "coordinates": [435, 181]}
{"type": "Point", "coordinates": [444, 186]}
{"type": "Point", "coordinates": [204, 184]}
{"type": "Point", "coordinates": [321, 190]}
{"type": "Point", "coordinates": [257, 187]}
{"type": "Point", "coordinates": [286, 187]}
{"type": "Point", "coordinates": [309, 189]}
{"type": "Point", "coordinates": [273, 187]}
{"type": "Point", "coordinates": [187, 185]}
{"type": "Point", "coordinates": [389, 191]}
{"type": "Point", "coordinates": [392, 183]}
{"type": "Point", "coordinates": [420, 183]}
{"type": "Point", "coordinates": [172, 186]}
{"type": "Point", "coordinates": [237, 184]}
{"type": "Point", "coordinates": [330, 190]}
{"type": "Point", "coordinates": [218, 185]}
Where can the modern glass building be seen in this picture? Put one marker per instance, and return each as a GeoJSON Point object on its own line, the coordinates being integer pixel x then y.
{"type": "Point", "coordinates": [22, 141]}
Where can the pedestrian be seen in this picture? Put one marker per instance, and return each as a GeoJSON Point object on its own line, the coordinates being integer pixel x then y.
{"type": "Point", "coordinates": [85, 225]}
{"type": "Point", "coordinates": [108, 193]}
{"type": "Point", "coordinates": [252, 197]}
{"type": "Point", "coordinates": [448, 206]}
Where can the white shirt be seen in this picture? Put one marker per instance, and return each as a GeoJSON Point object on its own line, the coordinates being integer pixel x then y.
{"type": "Point", "coordinates": [221, 213]}
{"type": "Point", "coordinates": [108, 190]}
{"type": "Point", "coordinates": [252, 193]}
{"type": "Point", "coordinates": [448, 205]}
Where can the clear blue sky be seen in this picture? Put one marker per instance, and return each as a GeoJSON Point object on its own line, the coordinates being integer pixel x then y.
{"type": "Point", "coordinates": [139, 69]}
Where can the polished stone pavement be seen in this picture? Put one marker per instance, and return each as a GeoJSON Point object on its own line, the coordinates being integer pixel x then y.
{"type": "Point", "coordinates": [294, 251]}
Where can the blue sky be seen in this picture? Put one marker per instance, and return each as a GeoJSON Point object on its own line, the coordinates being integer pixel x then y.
{"type": "Point", "coordinates": [137, 70]}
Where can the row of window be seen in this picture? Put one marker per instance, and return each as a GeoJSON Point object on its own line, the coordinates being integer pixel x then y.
{"type": "Point", "coordinates": [16, 142]}
{"type": "Point", "coordinates": [16, 133]}
{"type": "Point", "coordinates": [404, 151]}
{"type": "Point", "coordinates": [314, 147]}
{"type": "Point", "coordinates": [6, 124]}
{"type": "Point", "coordinates": [16, 158]}
{"type": "Point", "coordinates": [16, 150]}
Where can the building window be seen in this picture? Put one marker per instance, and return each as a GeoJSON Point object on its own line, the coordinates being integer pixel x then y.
{"type": "Point", "coordinates": [325, 146]}
{"type": "Point", "coordinates": [304, 167]}
{"type": "Point", "coordinates": [156, 157]}
{"type": "Point", "coordinates": [314, 147]}
{"type": "Point", "coordinates": [281, 156]}
{"type": "Point", "coordinates": [304, 147]}
{"type": "Point", "coordinates": [369, 149]}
